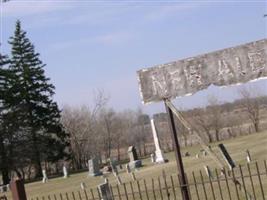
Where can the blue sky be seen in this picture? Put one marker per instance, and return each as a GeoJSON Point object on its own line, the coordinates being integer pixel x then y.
{"type": "Point", "coordinates": [90, 45]}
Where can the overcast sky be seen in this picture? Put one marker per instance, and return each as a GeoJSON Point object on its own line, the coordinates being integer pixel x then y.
{"type": "Point", "coordinates": [89, 45]}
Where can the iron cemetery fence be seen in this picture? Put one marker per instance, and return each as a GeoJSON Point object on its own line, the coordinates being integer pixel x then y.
{"type": "Point", "coordinates": [184, 77]}
{"type": "Point", "coordinates": [201, 186]}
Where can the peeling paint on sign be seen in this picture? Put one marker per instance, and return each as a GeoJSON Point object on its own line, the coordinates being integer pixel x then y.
{"type": "Point", "coordinates": [229, 66]}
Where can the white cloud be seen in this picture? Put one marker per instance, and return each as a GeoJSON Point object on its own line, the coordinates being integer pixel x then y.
{"type": "Point", "coordinates": [162, 12]}
{"type": "Point", "coordinates": [115, 38]}
{"type": "Point", "coordinates": [27, 8]}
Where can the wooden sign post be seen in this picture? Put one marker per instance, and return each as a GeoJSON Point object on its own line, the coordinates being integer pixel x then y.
{"type": "Point", "coordinates": [178, 156]}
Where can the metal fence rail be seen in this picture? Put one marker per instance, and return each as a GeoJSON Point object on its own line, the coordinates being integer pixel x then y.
{"type": "Point", "coordinates": [244, 182]}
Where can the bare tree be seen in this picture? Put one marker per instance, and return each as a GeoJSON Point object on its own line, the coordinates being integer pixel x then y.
{"type": "Point", "coordinates": [251, 103]}
{"type": "Point", "coordinates": [81, 124]}
{"type": "Point", "coordinates": [201, 119]}
{"type": "Point", "coordinates": [214, 111]}
{"type": "Point", "coordinates": [209, 119]}
{"type": "Point", "coordinates": [106, 121]}
{"type": "Point", "coordinates": [124, 123]}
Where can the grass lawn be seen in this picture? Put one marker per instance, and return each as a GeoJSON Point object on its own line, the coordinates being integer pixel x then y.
{"type": "Point", "coordinates": [256, 143]}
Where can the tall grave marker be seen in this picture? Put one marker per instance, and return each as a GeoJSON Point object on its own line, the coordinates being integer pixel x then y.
{"type": "Point", "coordinates": [65, 171]}
{"type": "Point", "coordinates": [159, 157]}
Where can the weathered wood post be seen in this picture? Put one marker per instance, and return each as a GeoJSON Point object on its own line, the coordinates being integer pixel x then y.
{"type": "Point", "coordinates": [18, 190]}
{"type": "Point", "coordinates": [178, 156]}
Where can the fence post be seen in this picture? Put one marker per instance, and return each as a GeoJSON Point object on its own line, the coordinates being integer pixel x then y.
{"type": "Point", "coordinates": [18, 190]}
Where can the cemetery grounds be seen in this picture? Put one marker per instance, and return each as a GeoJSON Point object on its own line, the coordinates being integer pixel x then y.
{"type": "Point", "coordinates": [256, 143]}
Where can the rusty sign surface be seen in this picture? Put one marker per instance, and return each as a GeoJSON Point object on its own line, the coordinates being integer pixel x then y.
{"type": "Point", "coordinates": [229, 66]}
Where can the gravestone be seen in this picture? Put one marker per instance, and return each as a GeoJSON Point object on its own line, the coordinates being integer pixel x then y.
{"type": "Point", "coordinates": [105, 180]}
{"type": "Point", "coordinates": [105, 192]}
{"type": "Point", "coordinates": [4, 188]}
{"type": "Point", "coordinates": [208, 171]}
{"type": "Point", "coordinates": [65, 172]}
{"type": "Point", "coordinates": [227, 156]}
{"type": "Point", "coordinates": [132, 154]}
{"type": "Point", "coordinates": [187, 154]}
{"type": "Point", "coordinates": [152, 156]}
{"type": "Point", "coordinates": [159, 157]}
{"type": "Point", "coordinates": [248, 156]}
{"type": "Point", "coordinates": [93, 166]}
{"type": "Point", "coordinates": [113, 165]}
{"type": "Point", "coordinates": [134, 162]}
{"type": "Point", "coordinates": [83, 186]}
{"type": "Point", "coordinates": [127, 167]}
{"type": "Point", "coordinates": [45, 178]}
{"type": "Point", "coordinates": [203, 152]}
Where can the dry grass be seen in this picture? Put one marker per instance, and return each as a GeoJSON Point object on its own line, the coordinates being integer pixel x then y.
{"type": "Point", "coordinates": [256, 143]}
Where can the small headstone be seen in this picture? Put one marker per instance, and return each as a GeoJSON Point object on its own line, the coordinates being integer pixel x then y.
{"type": "Point", "coordinates": [152, 156]}
{"type": "Point", "coordinates": [45, 178]}
{"type": "Point", "coordinates": [222, 171]}
{"type": "Point", "coordinates": [105, 192]}
{"type": "Point", "coordinates": [106, 180]}
{"type": "Point", "coordinates": [127, 167]}
{"type": "Point", "coordinates": [65, 172]}
{"type": "Point", "coordinates": [134, 162]}
{"type": "Point", "coordinates": [134, 165]}
{"type": "Point", "coordinates": [132, 154]}
{"type": "Point", "coordinates": [82, 185]}
{"type": "Point", "coordinates": [208, 171]}
{"type": "Point", "coordinates": [114, 167]}
{"type": "Point", "coordinates": [187, 154]}
{"type": "Point", "coordinates": [204, 152]}
{"type": "Point", "coordinates": [197, 155]}
{"type": "Point", "coordinates": [248, 156]}
{"type": "Point", "coordinates": [93, 166]}
{"type": "Point", "coordinates": [100, 160]}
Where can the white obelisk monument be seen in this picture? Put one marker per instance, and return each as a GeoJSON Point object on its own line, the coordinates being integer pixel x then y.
{"type": "Point", "coordinates": [159, 157]}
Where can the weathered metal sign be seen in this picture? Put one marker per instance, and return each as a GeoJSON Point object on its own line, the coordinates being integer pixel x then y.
{"type": "Point", "coordinates": [229, 66]}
